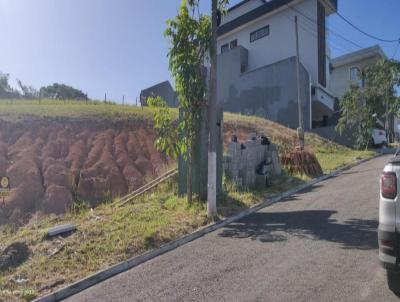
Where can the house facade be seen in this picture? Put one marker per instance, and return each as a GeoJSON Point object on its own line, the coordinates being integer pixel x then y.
{"type": "Point", "coordinates": [257, 60]}
{"type": "Point", "coordinates": [347, 70]}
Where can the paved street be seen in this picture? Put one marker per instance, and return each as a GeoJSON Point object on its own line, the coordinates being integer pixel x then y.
{"type": "Point", "coordinates": [320, 245]}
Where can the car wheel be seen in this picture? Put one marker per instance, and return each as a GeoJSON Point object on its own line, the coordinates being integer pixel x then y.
{"type": "Point", "coordinates": [393, 280]}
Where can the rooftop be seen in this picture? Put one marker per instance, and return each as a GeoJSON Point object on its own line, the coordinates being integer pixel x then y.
{"type": "Point", "coordinates": [265, 7]}
{"type": "Point", "coordinates": [365, 53]}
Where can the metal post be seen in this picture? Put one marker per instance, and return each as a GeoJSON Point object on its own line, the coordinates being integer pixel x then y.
{"type": "Point", "coordinates": [212, 151]}
{"type": "Point", "coordinates": [300, 130]}
{"type": "Point", "coordinates": [123, 100]}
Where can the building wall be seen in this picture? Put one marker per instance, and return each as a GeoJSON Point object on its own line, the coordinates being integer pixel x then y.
{"type": "Point", "coordinates": [269, 92]}
{"type": "Point", "coordinates": [280, 44]}
{"type": "Point", "coordinates": [163, 90]}
{"type": "Point", "coordinates": [340, 76]}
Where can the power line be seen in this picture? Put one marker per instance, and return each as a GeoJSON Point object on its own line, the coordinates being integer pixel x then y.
{"type": "Point", "coordinates": [330, 30]}
{"type": "Point", "coordinates": [340, 48]}
{"type": "Point", "coordinates": [365, 33]}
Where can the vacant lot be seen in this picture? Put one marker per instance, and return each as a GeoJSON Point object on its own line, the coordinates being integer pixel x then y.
{"type": "Point", "coordinates": [108, 234]}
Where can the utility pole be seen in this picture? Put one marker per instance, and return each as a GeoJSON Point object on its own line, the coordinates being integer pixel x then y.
{"type": "Point", "coordinates": [105, 98]}
{"type": "Point", "coordinates": [212, 114]}
{"type": "Point", "coordinates": [300, 130]}
{"type": "Point", "coordinates": [123, 100]}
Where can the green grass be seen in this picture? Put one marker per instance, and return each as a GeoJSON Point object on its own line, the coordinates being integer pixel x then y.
{"type": "Point", "coordinates": [13, 110]}
{"type": "Point", "coordinates": [106, 235]}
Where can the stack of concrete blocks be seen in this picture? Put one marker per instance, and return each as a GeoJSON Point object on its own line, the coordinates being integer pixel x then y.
{"type": "Point", "coordinates": [252, 163]}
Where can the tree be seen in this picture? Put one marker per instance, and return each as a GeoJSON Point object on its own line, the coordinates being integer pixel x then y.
{"type": "Point", "coordinates": [28, 92]}
{"type": "Point", "coordinates": [361, 105]}
{"type": "Point", "coordinates": [6, 91]}
{"type": "Point", "coordinates": [190, 37]}
{"type": "Point", "coordinates": [62, 92]}
{"type": "Point", "coordinates": [167, 137]}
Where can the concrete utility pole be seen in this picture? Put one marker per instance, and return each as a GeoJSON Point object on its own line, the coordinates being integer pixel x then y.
{"type": "Point", "coordinates": [123, 100]}
{"type": "Point", "coordinates": [212, 114]}
{"type": "Point", "coordinates": [300, 130]}
{"type": "Point", "coordinates": [105, 98]}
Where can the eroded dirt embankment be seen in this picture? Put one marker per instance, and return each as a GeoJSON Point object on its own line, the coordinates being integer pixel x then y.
{"type": "Point", "coordinates": [53, 162]}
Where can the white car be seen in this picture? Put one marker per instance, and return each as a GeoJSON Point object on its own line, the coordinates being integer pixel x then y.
{"type": "Point", "coordinates": [389, 223]}
{"type": "Point", "coordinates": [379, 137]}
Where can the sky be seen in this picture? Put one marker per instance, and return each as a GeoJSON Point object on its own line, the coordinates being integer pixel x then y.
{"type": "Point", "coordinates": [118, 46]}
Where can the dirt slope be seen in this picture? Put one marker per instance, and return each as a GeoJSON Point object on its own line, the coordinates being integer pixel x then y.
{"type": "Point", "coordinates": [53, 162]}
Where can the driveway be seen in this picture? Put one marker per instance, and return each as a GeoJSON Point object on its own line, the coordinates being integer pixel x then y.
{"type": "Point", "coordinates": [319, 245]}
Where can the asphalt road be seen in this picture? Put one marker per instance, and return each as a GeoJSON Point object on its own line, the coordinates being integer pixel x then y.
{"type": "Point", "coordinates": [319, 245]}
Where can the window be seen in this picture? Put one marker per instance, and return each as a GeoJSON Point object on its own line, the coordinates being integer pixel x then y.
{"type": "Point", "coordinates": [354, 74]}
{"type": "Point", "coordinates": [233, 44]}
{"type": "Point", "coordinates": [224, 48]}
{"type": "Point", "coordinates": [259, 33]}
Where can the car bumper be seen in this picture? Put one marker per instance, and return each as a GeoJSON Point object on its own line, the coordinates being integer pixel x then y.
{"type": "Point", "coordinates": [388, 249]}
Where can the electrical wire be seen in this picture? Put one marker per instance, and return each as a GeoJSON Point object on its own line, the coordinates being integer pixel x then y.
{"type": "Point", "coordinates": [306, 26]}
{"type": "Point", "coordinates": [329, 30]}
{"type": "Point", "coordinates": [365, 33]}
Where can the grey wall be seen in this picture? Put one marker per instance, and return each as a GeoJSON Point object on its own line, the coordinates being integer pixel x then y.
{"type": "Point", "coordinates": [163, 90]}
{"type": "Point", "coordinates": [268, 92]}
{"type": "Point", "coordinates": [346, 139]}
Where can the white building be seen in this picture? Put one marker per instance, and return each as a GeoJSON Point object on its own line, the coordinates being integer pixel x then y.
{"type": "Point", "coordinates": [257, 51]}
{"type": "Point", "coordinates": [346, 70]}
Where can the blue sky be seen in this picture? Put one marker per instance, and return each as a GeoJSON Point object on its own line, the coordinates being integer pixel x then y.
{"type": "Point", "coordinates": [118, 47]}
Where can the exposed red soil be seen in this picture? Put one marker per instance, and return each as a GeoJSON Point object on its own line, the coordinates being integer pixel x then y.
{"type": "Point", "coordinates": [53, 162]}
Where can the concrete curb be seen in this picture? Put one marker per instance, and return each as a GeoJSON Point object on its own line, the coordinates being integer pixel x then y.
{"type": "Point", "coordinates": [100, 276]}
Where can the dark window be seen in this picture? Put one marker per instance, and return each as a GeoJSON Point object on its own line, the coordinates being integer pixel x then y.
{"type": "Point", "coordinates": [321, 45]}
{"type": "Point", "coordinates": [224, 48]}
{"type": "Point", "coordinates": [259, 33]}
{"type": "Point", "coordinates": [233, 44]}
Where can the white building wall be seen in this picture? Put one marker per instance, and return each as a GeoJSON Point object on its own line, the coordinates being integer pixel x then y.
{"type": "Point", "coordinates": [281, 42]}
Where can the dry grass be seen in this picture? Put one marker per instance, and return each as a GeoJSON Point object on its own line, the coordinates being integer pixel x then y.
{"type": "Point", "coordinates": [106, 235]}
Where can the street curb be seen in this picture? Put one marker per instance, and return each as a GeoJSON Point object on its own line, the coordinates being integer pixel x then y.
{"type": "Point", "coordinates": [103, 275]}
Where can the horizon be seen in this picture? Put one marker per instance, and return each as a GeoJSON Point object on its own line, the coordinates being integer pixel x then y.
{"type": "Point", "coordinates": [99, 47]}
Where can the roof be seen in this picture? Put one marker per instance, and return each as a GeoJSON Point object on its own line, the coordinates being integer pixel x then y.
{"type": "Point", "coordinates": [251, 15]}
{"type": "Point", "coordinates": [238, 5]}
{"type": "Point", "coordinates": [267, 7]}
{"type": "Point", "coordinates": [362, 54]}
{"type": "Point", "coordinates": [165, 84]}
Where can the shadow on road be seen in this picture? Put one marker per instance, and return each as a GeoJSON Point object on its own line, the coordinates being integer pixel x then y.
{"type": "Point", "coordinates": [312, 225]}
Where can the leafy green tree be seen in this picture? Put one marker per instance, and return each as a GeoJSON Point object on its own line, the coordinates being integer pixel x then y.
{"type": "Point", "coordinates": [360, 106]}
{"type": "Point", "coordinates": [167, 136]}
{"type": "Point", "coordinates": [190, 36]}
{"type": "Point", "coordinates": [62, 92]}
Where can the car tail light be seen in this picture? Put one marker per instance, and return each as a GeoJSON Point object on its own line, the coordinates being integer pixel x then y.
{"type": "Point", "coordinates": [389, 185]}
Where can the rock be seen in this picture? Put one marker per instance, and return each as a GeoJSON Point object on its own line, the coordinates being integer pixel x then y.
{"type": "Point", "coordinates": [14, 255]}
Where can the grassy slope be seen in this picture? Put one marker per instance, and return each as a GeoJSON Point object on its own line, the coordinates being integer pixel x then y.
{"type": "Point", "coordinates": [331, 156]}
{"type": "Point", "coordinates": [107, 235]}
